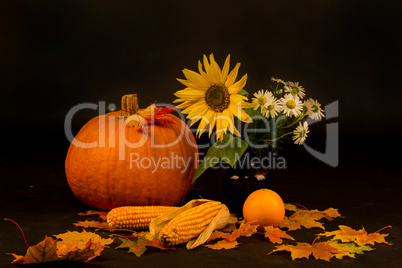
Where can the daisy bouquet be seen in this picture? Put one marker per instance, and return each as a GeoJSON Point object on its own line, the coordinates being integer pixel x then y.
{"type": "Point", "coordinates": [220, 105]}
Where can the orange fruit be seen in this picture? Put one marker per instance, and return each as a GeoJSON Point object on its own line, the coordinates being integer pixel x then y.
{"type": "Point", "coordinates": [264, 207]}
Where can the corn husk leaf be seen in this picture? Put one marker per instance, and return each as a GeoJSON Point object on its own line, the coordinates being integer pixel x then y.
{"type": "Point", "coordinates": [220, 221]}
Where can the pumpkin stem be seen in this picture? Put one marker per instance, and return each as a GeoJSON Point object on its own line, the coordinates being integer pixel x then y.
{"type": "Point", "coordinates": [129, 104]}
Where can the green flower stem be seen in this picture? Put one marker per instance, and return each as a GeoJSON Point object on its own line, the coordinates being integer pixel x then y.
{"type": "Point", "coordinates": [296, 121]}
{"type": "Point", "coordinates": [284, 135]}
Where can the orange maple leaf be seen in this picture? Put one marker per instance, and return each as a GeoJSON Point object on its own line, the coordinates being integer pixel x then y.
{"type": "Point", "coordinates": [274, 234]}
{"type": "Point", "coordinates": [99, 225]}
{"type": "Point", "coordinates": [245, 229]}
{"type": "Point", "coordinates": [52, 250]}
{"type": "Point", "coordinates": [223, 244]}
{"type": "Point", "coordinates": [102, 214]}
{"type": "Point", "coordinates": [140, 246]}
{"type": "Point", "coordinates": [321, 251]}
{"type": "Point", "coordinates": [308, 218]}
{"type": "Point", "coordinates": [150, 115]}
{"type": "Point", "coordinates": [42, 252]}
{"type": "Point", "coordinates": [360, 237]}
{"type": "Point", "coordinates": [73, 253]}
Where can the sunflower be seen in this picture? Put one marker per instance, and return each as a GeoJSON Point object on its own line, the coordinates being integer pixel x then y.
{"type": "Point", "coordinates": [212, 97]}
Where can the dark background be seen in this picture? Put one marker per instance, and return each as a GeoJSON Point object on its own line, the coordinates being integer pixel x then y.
{"type": "Point", "coordinates": [55, 55]}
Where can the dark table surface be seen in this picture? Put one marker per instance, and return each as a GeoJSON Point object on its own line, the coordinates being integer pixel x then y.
{"type": "Point", "coordinates": [365, 187]}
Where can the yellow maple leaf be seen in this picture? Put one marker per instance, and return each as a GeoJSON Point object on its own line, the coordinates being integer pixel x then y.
{"type": "Point", "coordinates": [81, 238]}
{"type": "Point", "coordinates": [321, 251]}
{"type": "Point", "coordinates": [308, 218]}
{"type": "Point", "coordinates": [223, 244]}
{"type": "Point", "coordinates": [360, 237]}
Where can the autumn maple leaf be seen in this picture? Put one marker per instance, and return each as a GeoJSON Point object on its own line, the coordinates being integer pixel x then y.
{"type": "Point", "coordinates": [102, 214]}
{"type": "Point", "coordinates": [75, 247]}
{"type": "Point", "coordinates": [42, 252]}
{"type": "Point", "coordinates": [223, 244]}
{"type": "Point", "coordinates": [229, 239]}
{"type": "Point", "coordinates": [140, 246]}
{"type": "Point", "coordinates": [98, 225]}
{"type": "Point", "coordinates": [81, 238]}
{"type": "Point", "coordinates": [308, 218]}
{"type": "Point", "coordinates": [360, 237]}
{"type": "Point", "coordinates": [274, 234]}
{"type": "Point", "coordinates": [321, 251]}
{"type": "Point", "coordinates": [150, 115]}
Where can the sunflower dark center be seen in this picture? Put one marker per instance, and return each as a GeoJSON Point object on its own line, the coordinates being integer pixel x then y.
{"type": "Point", "coordinates": [217, 97]}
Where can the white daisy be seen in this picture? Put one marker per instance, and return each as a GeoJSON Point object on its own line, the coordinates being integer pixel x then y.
{"type": "Point", "coordinates": [295, 89]}
{"type": "Point", "coordinates": [291, 105]}
{"type": "Point", "coordinates": [262, 99]}
{"type": "Point", "coordinates": [316, 112]}
{"type": "Point", "coordinates": [278, 80]}
{"type": "Point", "coordinates": [300, 133]}
{"type": "Point", "coordinates": [307, 107]}
{"type": "Point", "coordinates": [274, 107]}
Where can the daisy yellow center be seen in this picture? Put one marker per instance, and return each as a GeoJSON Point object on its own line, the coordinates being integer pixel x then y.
{"type": "Point", "coordinates": [291, 104]}
{"type": "Point", "coordinates": [262, 100]}
{"type": "Point", "coordinates": [315, 108]}
{"type": "Point", "coordinates": [217, 97]}
{"type": "Point", "coordinates": [302, 133]}
{"type": "Point", "coordinates": [271, 107]}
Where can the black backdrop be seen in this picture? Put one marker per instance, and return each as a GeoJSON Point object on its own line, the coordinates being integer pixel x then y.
{"type": "Point", "coordinates": [57, 54]}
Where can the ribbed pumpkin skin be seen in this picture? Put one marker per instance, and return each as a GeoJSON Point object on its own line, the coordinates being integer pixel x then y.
{"type": "Point", "coordinates": [99, 179]}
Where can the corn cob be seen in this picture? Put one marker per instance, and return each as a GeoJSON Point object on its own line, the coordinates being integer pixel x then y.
{"type": "Point", "coordinates": [135, 217]}
{"type": "Point", "coordinates": [189, 224]}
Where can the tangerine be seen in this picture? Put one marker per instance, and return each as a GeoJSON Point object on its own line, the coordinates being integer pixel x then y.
{"type": "Point", "coordinates": [264, 207]}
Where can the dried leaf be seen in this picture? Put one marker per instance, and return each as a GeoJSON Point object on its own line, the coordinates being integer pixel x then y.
{"type": "Point", "coordinates": [274, 234]}
{"type": "Point", "coordinates": [100, 225]}
{"type": "Point", "coordinates": [150, 115]}
{"type": "Point", "coordinates": [321, 251]}
{"type": "Point", "coordinates": [81, 238]}
{"type": "Point", "coordinates": [360, 237]}
{"type": "Point", "coordinates": [223, 244]}
{"type": "Point", "coordinates": [349, 249]}
{"type": "Point", "coordinates": [42, 252]}
{"type": "Point", "coordinates": [291, 207]}
{"type": "Point", "coordinates": [73, 253]}
{"type": "Point", "coordinates": [52, 250]}
{"type": "Point", "coordinates": [140, 246]}
{"type": "Point", "coordinates": [245, 229]}
{"type": "Point", "coordinates": [308, 218]}
{"type": "Point", "coordinates": [102, 214]}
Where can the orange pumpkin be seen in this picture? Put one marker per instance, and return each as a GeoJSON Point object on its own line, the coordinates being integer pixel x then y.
{"type": "Point", "coordinates": [110, 164]}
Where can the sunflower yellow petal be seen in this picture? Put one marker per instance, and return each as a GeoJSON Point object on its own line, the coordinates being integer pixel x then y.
{"type": "Point", "coordinates": [238, 85]}
{"type": "Point", "coordinates": [184, 82]}
{"type": "Point", "coordinates": [232, 76]}
{"type": "Point", "coordinates": [196, 79]}
{"type": "Point", "coordinates": [206, 64]}
{"type": "Point", "coordinates": [225, 69]}
{"type": "Point", "coordinates": [195, 109]}
{"type": "Point", "coordinates": [236, 109]}
{"type": "Point", "coordinates": [215, 72]}
{"type": "Point", "coordinates": [204, 74]}
{"type": "Point", "coordinates": [190, 94]}
{"type": "Point", "coordinates": [212, 115]}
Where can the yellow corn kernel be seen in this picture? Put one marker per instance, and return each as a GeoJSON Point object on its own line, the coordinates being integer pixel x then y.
{"type": "Point", "coordinates": [189, 224]}
{"type": "Point", "coordinates": [135, 217]}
